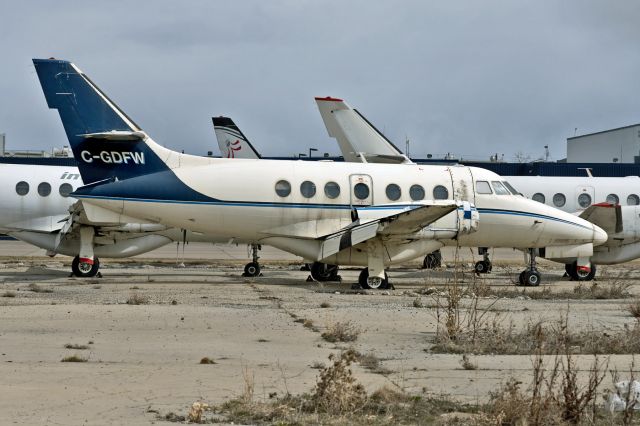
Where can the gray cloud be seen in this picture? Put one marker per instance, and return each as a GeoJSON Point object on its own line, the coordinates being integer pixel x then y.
{"type": "Point", "coordinates": [471, 78]}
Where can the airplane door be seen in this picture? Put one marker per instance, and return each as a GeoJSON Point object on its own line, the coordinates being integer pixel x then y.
{"type": "Point", "coordinates": [462, 183]}
{"type": "Point", "coordinates": [585, 196]}
{"type": "Point", "coordinates": [361, 190]}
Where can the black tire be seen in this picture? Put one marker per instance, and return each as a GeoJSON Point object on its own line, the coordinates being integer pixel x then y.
{"type": "Point", "coordinates": [483, 267]}
{"type": "Point", "coordinates": [364, 282]}
{"type": "Point", "coordinates": [323, 272]}
{"type": "Point", "coordinates": [576, 275]}
{"type": "Point", "coordinates": [252, 269]}
{"type": "Point", "coordinates": [84, 270]}
{"type": "Point", "coordinates": [521, 278]}
{"type": "Point", "coordinates": [432, 260]}
{"type": "Point", "coordinates": [531, 278]}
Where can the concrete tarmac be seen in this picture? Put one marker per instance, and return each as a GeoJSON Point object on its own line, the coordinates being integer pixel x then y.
{"type": "Point", "coordinates": [143, 360]}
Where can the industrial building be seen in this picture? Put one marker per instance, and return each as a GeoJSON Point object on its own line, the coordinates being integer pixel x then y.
{"type": "Point", "coordinates": [621, 145]}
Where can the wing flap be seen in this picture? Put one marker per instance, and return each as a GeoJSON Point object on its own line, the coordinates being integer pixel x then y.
{"type": "Point", "coordinates": [404, 223]}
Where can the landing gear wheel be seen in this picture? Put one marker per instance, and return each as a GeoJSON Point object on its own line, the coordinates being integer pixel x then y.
{"type": "Point", "coordinates": [531, 278]}
{"type": "Point", "coordinates": [432, 260]}
{"type": "Point", "coordinates": [84, 269]}
{"type": "Point", "coordinates": [577, 274]}
{"type": "Point", "coordinates": [373, 283]}
{"type": "Point", "coordinates": [322, 272]}
{"type": "Point", "coordinates": [251, 269]}
{"type": "Point", "coordinates": [521, 278]}
{"type": "Point", "coordinates": [483, 267]}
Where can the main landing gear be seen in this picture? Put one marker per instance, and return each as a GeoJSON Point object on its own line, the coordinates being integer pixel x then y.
{"type": "Point", "coordinates": [432, 260]}
{"type": "Point", "coordinates": [85, 264]}
{"type": "Point", "coordinates": [323, 272]}
{"type": "Point", "coordinates": [530, 276]}
{"type": "Point", "coordinates": [84, 267]}
{"type": "Point", "coordinates": [580, 273]}
{"type": "Point", "coordinates": [373, 283]}
{"type": "Point", "coordinates": [483, 266]}
{"type": "Point", "coordinates": [252, 269]}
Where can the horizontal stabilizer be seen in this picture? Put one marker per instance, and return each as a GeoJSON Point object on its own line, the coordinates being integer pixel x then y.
{"type": "Point", "coordinates": [605, 215]}
{"type": "Point", "coordinates": [116, 135]}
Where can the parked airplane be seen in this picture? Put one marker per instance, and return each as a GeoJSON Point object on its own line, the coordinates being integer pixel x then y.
{"type": "Point", "coordinates": [37, 208]}
{"type": "Point", "coordinates": [367, 214]}
{"type": "Point", "coordinates": [612, 203]}
{"type": "Point", "coordinates": [358, 137]}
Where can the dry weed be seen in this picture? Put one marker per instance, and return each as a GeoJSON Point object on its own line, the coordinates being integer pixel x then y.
{"type": "Point", "coordinates": [76, 346]}
{"type": "Point", "coordinates": [341, 332]}
{"type": "Point", "coordinates": [137, 299]}
{"type": "Point", "coordinates": [74, 358]}
{"type": "Point", "coordinates": [337, 391]}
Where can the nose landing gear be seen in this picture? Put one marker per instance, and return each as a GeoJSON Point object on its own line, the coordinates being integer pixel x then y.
{"type": "Point", "coordinates": [483, 266]}
{"type": "Point", "coordinates": [530, 276]}
{"type": "Point", "coordinates": [252, 269]}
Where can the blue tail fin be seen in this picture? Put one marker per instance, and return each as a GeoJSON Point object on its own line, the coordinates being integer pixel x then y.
{"type": "Point", "coordinates": [106, 143]}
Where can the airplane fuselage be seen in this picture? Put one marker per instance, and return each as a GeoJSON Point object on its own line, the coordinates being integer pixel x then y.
{"type": "Point", "coordinates": [239, 199]}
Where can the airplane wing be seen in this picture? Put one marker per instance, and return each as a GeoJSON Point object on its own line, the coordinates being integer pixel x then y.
{"type": "Point", "coordinates": [400, 224]}
{"type": "Point", "coordinates": [358, 139]}
{"type": "Point", "coordinates": [231, 141]}
{"type": "Point", "coordinates": [607, 216]}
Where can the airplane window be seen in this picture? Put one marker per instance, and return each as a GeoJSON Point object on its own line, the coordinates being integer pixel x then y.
{"type": "Point", "coordinates": [308, 189]}
{"type": "Point", "coordinates": [633, 200]}
{"type": "Point", "coordinates": [584, 200]}
{"type": "Point", "coordinates": [44, 189]}
{"type": "Point", "coordinates": [361, 191]}
{"type": "Point", "coordinates": [559, 200]}
{"type": "Point", "coordinates": [283, 188]}
{"type": "Point", "coordinates": [393, 192]}
{"type": "Point", "coordinates": [416, 192]}
{"type": "Point", "coordinates": [440, 193]}
{"type": "Point", "coordinates": [511, 188]}
{"type": "Point", "coordinates": [499, 188]}
{"type": "Point", "coordinates": [613, 199]}
{"type": "Point", "coordinates": [22, 188]}
{"type": "Point", "coordinates": [65, 189]}
{"type": "Point", "coordinates": [332, 190]}
{"type": "Point", "coordinates": [482, 187]}
{"type": "Point", "coordinates": [538, 197]}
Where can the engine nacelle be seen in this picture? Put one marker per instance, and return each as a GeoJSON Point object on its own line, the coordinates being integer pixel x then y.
{"type": "Point", "coordinates": [71, 247]}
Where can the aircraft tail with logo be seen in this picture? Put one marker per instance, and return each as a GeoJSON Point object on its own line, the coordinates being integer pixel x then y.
{"type": "Point", "coordinates": [106, 142]}
{"type": "Point", "coordinates": [232, 142]}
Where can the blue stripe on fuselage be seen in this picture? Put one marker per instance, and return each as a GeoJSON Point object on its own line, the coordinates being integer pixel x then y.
{"type": "Point", "coordinates": [399, 207]}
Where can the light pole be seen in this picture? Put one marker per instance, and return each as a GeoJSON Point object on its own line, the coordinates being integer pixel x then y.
{"type": "Point", "coordinates": [312, 149]}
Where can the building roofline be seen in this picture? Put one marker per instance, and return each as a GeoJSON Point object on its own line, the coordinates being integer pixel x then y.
{"type": "Point", "coordinates": [604, 131]}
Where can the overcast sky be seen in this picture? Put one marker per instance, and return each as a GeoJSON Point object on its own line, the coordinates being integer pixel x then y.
{"type": "Point", "coordinates": [472, 78]}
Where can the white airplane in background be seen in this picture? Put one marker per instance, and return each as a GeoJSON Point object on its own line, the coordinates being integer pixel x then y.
{"type": "Point", "coordinates": [37, 208]}
{"type": "Point", "coordinates": [594, 199]}
{"type": "Point", "coordinates": [613, 203]}
{"type": "Point", "coordinates": [372, 215]}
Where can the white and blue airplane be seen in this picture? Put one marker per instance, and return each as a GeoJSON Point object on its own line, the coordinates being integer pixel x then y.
{"type": "Point", "coordinates": [594, 199]}
{"type": "Point", "coordinates": [371, 215]}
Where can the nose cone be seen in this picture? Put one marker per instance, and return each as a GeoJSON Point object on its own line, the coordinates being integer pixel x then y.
{"type": "Point", "coordinates": [599, 236]}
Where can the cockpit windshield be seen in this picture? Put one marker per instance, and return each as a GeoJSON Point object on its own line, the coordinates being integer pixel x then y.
{"type": "Point", "coordinates": [499, 188]}
{"type": "Point", "coordinates": [511, 188]}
